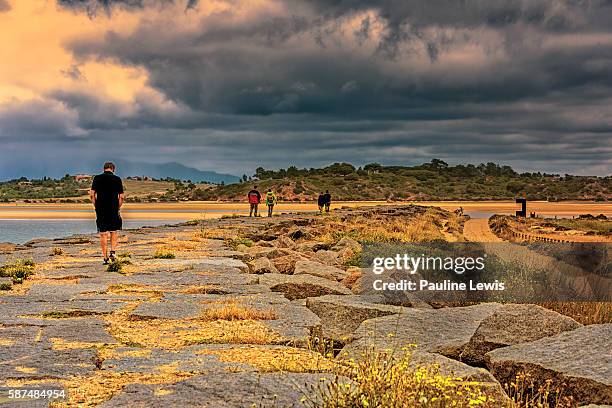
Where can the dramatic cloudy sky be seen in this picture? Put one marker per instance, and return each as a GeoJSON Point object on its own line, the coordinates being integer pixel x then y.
{"type": "Point", "coordinates": [229, 85]}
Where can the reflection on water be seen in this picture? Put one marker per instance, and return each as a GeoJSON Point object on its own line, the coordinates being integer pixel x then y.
{"type": "Point", "coordinates": [21, 231]}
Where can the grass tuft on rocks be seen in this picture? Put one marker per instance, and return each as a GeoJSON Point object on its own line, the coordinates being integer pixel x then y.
{"type": "Point", "coordinates": [379, 379]}
{"type": "Point", "coordinates": [164, 254]}
{"type": "Point", "coordinates": [18, 271]}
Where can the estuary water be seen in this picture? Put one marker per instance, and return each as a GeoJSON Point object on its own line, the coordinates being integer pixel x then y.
{"type": "Point", "coordinates": [22, 231]}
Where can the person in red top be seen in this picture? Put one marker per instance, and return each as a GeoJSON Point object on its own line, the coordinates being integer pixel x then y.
{"type": "Point", "coordinates": [254, 200]}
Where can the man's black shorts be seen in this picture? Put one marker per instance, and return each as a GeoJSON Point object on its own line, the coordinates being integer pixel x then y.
{"type": "Point", "coordinates": [108, 220]}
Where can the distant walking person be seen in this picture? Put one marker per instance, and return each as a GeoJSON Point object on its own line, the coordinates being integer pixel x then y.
{"type": "Point", "coordinates": [321, 202]}
{"type": "Point", "coordinates": [107, 197]}
{"type": "Point", "coordinates": [270, 201]}
{"type": "Point", "coordinates": [254, 200]}
{"type": "Point", "coordinates": [327, 200]}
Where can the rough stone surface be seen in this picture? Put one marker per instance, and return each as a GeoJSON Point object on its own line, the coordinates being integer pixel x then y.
{"type": "Point", "coordinates": [262, 265]}
{"type": "Point", "coordinates": [166, 310]}
{"type": "Point", "coordinates": [514, 324]}
{"type": "Point", "coordinates": [342, 315]}
{"type": "Point", "coordinates": [302, 286]}
{"type": "Point", "coordinates": [319, 269]}
{"type": "Point", "coordinates": [579, 361]}
{"type": "Point", "coordinates": [453, 368]}
{"type": "Point", "coordinates": [444, 331]}
{"type": "Point", "coordinates": [211, 390]}
{"type": "Point", "coordinates": [284, 241]}
{"type": "Point", "coordinates": [286, 264]}
{"type": "Point", "coordinates": [462, 333]}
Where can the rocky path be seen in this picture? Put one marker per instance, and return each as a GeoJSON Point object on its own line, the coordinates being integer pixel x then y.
{"type": "Point", "coordinates": [239, 320]}
{"type": "Point", "coordinates": [162, 332]}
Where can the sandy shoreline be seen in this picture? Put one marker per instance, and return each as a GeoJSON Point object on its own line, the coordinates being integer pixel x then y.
{"type": "Point", "coordinates": [206, 210]}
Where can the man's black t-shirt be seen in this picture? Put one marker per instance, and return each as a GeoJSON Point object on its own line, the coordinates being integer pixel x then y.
{"type": "Point", "coordinates": [107, 187]}
{"type": "Point", "coordinates": [327, 198]}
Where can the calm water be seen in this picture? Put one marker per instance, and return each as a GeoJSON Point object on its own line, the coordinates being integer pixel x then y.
{"type": "Point", "coordinates": [21, 231]}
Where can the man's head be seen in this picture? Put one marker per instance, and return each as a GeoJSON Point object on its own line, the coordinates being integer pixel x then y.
{"type": "Point", "coordinates": [269, 190]}
{"type": "Point", "coordinates": [254, 187]}
{"type": "Point", "coordinates": [326, 191]}
{"type": "Point", "coordinates": [109, 166]}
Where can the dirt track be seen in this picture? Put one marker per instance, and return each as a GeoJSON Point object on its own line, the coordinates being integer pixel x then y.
{"type": "Point", "coordinates": [477, 230]}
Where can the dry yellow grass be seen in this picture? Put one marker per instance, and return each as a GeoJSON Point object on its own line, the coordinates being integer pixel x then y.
{"type": "Point", "coordinates": [274, 358]}
{"type": "Point", "coordinates": [174, 334]}
{"type": "Point", "coordinates": [238, 312]}
{"type": "Point", "coordinates": [583, 312]}
{"type": "Point", "coordinates": [431, 226]}
{"type": "Point", "coordinates": [153, 293]}
{"type": "Point", "coordinates": [201, 290]}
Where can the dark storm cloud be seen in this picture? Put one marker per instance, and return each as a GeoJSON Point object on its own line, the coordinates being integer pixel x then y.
{"type": "Point", "coordinates": [4, 6]}
{"type": "Point", "coordinates": [93, 7]}
{"type": "Point", "coordinates": [526, 83]}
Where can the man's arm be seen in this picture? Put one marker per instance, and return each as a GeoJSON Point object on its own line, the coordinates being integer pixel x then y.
{"type": "Point", "coordinates": [121, 198]}
{"type": "Point", "coordinates": [92, 197]}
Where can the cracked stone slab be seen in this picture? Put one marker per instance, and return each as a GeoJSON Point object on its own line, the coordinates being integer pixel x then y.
{"type": "Point", "coordinates": [46, 292]}
{"type": "Point", "coordinates": [167, 310]}
{"type": "Point", "coordinates": [36, 359]}
{"type": "Point", "coordinates": [33, 312]}
{"type": "Point", "coordinates": [84, 330]}
{"type": "Point", "coordinates": [211, 390]}
{"type": "Point", "coordinates": [578, 361]}
{"type": "Point", "coordinates": [190, 278]}
{"type": "Point", "coordinates": [302, 286]}
{"type": "Point", "coordinates": [341, 315]}
{"type": "Point", "coordinates": [461, 333]}
{"type": "Point", "coordinates": [210, 263]}
{"type": "Point", "coordinates": [187, 359]}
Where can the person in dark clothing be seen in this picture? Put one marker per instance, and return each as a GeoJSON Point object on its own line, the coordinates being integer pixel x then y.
{"type": "Point", "coordinates": [107, 197]}
{"type": "Point", "coordinates": [254, 200]}
{"type": "Point", "coordinates": [327, 200]}
{"type": "Point", "coordinates": [321, 202]}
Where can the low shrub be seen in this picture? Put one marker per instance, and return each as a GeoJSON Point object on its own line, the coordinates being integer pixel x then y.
{"type": "Point", "coordinates": [380, 379]}
{"type": "Point", "coordinates": [18, 271]}
{"type": "Point", "coordinates": [164, 254]}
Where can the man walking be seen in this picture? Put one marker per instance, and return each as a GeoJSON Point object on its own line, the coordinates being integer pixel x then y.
{"type": "Point", "coordinates": [254, 200]}
{"type": "Point", "coordinates": [321, 202]}
{"type": "Point", "coordinates": [270, 201]}
{"type": "Point", "coordinates": [327, 200]}
{"type": "Point", "coordinates": [107, 197]}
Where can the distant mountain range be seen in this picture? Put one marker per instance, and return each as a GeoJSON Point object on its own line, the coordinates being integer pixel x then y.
{"type": "Point", "coordinates": [124, 169]}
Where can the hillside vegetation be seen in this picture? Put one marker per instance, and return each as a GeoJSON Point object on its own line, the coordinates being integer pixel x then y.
{"type": "Point", "coordinates": [430, 181]}
{"type": "Point", "coordinates": [435, 180]}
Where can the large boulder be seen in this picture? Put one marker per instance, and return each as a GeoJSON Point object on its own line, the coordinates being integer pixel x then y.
{"type": "Point", "coordinates": [286, 264]}
{"type": "Point", "coordinates": [455, 369]}
{"type": "Point", "coordinates": [577, 361]}
{"type": "Point", "coordinates": [353, 274]}
{"type": "Point", "coordinates": [327, 257]}
{"type": "Point", "coordinates": [342, 315]}
{"type": "Point", "coordinates": [302, 286]}
{"type": "Point", "coordinates": [444, 331]}
{"type": "Point", "coordinates": [318, 269]}
{"type": "Point", "coordinates": [309, 247]}
{"type": "Point", "coordinates": [347, 242]}
{"type": "Point", "coordinates": [283, 241]}
{"type": "Point", "coordinates": [514, 324]}
{"type": "Point", "coordinates": [461, 333]}
{"type": "Point", "coordinates": [346, 249]}
{"type": "Point", "coordinates": [262, 265]}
